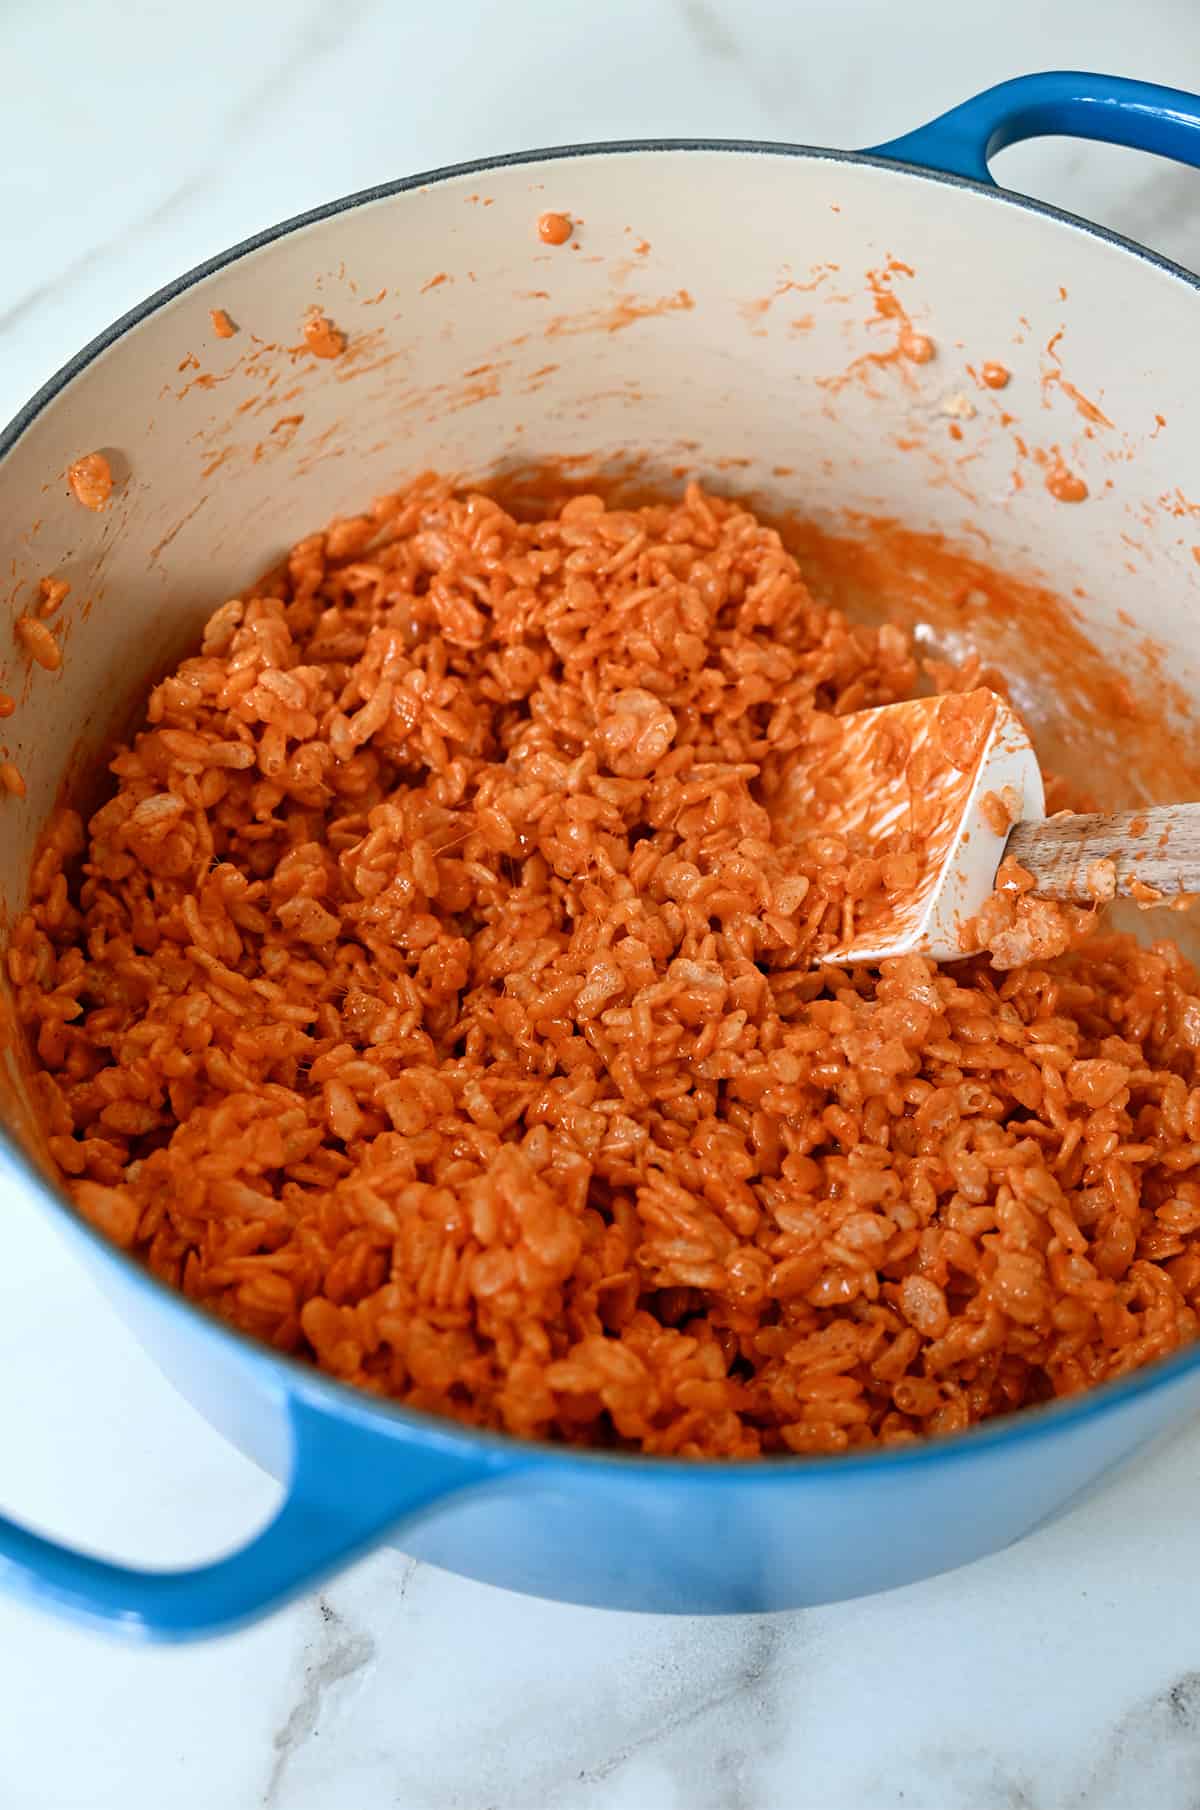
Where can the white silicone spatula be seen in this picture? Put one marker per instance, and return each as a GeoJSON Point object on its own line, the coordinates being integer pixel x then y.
{"type": "Point", "coordinates": [941, 789]}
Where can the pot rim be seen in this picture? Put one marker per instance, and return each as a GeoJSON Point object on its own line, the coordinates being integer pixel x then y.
{"type": "Point", "coordinates": [504, 1452]}
{"type": "Point", "coordinates": [384, 191]}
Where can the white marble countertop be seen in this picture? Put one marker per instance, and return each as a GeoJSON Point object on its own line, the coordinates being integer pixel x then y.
{"type": "Point", "coordinates": [134, 141]}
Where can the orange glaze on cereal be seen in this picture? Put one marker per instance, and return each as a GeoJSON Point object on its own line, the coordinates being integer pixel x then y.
{"type": "Point", "coordinates": [91, 480]}
{"type": "Point", "coordinates": [38, 642]}
{"type": "Point", "coordinates": [53, 590]}
{"type": "Point", "coordinates": [492, 1067]}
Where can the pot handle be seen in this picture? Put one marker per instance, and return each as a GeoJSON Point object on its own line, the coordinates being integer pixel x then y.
{"type": "Point", "coordinates": [347, 1490]}
{"type": "Point", "coordinates": [1056, 103]}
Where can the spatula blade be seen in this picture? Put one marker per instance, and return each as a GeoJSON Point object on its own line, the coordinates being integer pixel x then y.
{"type": "Point", "coordinates": [935, 783]}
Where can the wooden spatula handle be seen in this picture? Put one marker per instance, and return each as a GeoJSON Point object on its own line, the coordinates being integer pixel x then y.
{"type": "Point", "coordinates": [1157, 848]}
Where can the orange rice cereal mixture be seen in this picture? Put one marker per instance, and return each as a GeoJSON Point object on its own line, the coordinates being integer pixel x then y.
{"type": "Point", "coordinates": [434, 1000]}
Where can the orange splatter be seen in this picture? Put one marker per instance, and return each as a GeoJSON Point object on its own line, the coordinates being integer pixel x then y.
{"type": "Point", "coordinates": [753, 311]}
{"type": "Point", "coordinates": [222, 326]}
{"type": "Point", "coordinates": [434, 281]}
{"type": "Point", "coordinates": [995, 376]}
{"type": "Point", "coordinates": [818, 274]}
{"type": "Point", "coordinates": [909, 347]}
{"type": "Point", "coordinates": [1065, 486]}
{"type": "Point", "coordinates": [1088, 409]}
{"type": "Point", "coordinates": [915, 346]}
{"type": "Point", "coordinates": [7, 704]}
{"type": "Point", "coordinates": [554, 229]}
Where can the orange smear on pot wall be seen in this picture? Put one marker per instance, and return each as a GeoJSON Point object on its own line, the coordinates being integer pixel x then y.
{"type": "Point", "coordinates": [1054, 378]}
{"type": "Point", "coordinates": [1125, 747]}
{"type": "Point", "coordinates": [909, 347]}
{"type": "Point", "coordinates": [222, 326]}
{"type": "Point", "coordinates": [623, 313]}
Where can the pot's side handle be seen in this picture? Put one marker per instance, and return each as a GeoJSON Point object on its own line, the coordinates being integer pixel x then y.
{"type": "Point", "coordinates": [1056, 103]}
{"type": "Point", "coordinates": [348, 1488]}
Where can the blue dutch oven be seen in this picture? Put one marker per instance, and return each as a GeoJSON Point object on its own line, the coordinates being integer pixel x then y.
{"type": "Point", "coordinates": [651, 350]}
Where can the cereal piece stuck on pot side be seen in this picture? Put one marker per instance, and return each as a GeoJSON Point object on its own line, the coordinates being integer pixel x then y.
{"type": "Point", "coordinates": [554, 229]}
{"type": "Point", "coordinates": [38, 642]}
{"type": "Point", "coordinates": [11, 779]}
{"type": "Point", "coordinates": [322, 338]}
{"type": "Point", "coordinates": [54, 591]}
{"type": "Point", "coordinates": [995, 376]}
{"type": "Point", "coordinates": [91, 480]}
{"type": "Point", "coordinates": [222, 326]}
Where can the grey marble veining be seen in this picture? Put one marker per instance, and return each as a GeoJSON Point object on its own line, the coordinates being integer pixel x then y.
{"type": "Point", "coordinates": [1063, 1675]}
